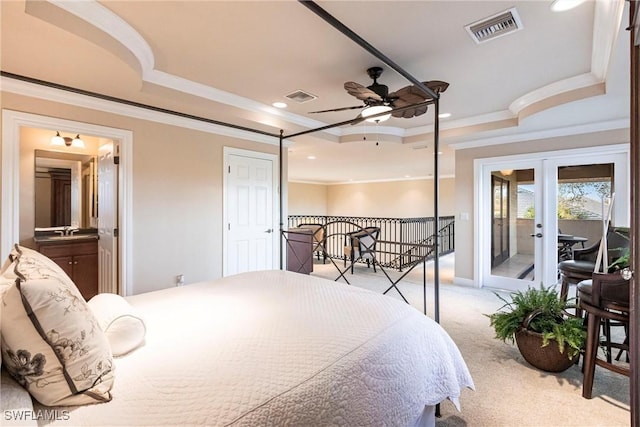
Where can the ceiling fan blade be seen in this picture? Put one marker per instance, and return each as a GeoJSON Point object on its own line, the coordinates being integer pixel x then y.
{"type": "Point", "coordinates": [410, 112]}
{"type": "Point", "coordinates": [361, 92]}
{"type": "Point", "coordinates": [438, 86]}
{"type": "Point", "coordinates": [337, 109]}
{"type": "Point", "coordinates": [413, 95]}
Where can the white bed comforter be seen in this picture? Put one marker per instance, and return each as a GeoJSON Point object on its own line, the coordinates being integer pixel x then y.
{"type": "Point", "coordinates": [279, 348]}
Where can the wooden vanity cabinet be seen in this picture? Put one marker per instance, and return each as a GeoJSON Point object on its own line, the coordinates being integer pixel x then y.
{"type": "Point", "coordinates": [79, 260]}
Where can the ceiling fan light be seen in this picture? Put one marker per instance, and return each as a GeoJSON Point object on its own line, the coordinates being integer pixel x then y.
{"type": "Point", "coordinates": [376, 109]}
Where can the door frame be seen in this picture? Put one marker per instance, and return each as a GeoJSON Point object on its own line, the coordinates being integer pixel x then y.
{"type": "Point", "coordinates": [619, 154]}
{"type": "Point", "coordinates": [227, 151]}
{"type": "Point", "coordinates": [12, 121]}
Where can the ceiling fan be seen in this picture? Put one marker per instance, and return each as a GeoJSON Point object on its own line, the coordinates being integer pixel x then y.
{"type": "Point", "coordinates": [377, 95]}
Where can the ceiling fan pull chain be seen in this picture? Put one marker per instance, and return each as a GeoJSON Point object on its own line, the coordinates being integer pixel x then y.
{"type": "Point", "coordinates": [377, 138]}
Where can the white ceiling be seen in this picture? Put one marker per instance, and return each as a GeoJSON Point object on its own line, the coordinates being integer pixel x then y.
{"type": "Point", "coordinates": [229, 60]}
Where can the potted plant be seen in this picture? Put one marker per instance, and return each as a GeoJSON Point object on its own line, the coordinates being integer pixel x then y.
{"type": "Point", "coordinates": [547, 336]}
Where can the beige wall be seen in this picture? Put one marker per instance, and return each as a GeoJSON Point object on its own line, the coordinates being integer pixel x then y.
{"type": "Point", "coordinates": [397, 199]}
{"type": "Point", "coordinates": [177, 193]}
{"type": "Point", "coordinates": [465, 184]}
{"type": "Point", "coordinates": [307, 199]}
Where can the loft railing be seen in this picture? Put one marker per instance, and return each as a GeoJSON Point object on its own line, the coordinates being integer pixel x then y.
{"type": "Point", "coordinates": [402, 241]}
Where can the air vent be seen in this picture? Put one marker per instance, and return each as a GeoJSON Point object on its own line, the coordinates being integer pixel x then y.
{"type": "Point", "coordinates": [495, 26]}
{"type": "Point", "coordinates": [301, 96]}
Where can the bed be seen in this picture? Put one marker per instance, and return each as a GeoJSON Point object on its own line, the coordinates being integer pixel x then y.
{"type": "Point", "coordinates": [270, 348]}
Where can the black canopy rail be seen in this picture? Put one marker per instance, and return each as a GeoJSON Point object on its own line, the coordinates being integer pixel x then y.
{"type": "Point", "coordinates": [131, 103]}
{"type": "Point", "coordinates": [368, 47]}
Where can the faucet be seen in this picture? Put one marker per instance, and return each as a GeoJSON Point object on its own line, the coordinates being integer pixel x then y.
{"type": "Point", "coordinates": [68, 231]}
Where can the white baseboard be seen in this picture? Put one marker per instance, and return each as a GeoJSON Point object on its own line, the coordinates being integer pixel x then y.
{"type": "Point", "coordinates": [463, 281]}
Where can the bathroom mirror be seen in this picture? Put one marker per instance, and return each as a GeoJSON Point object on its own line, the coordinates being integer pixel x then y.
{"type": "Point", "coordinates": [65, 190]}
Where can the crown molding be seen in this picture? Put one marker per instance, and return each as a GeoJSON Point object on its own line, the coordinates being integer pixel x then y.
{"type": "Point", "coordinates": [607, 21]}
{"type": "Point", "coordinates": [543, 134]}
{"type": "Point", "coordinates": [108, 22]}
{"type": "Point", "coordinates": [64, 97]}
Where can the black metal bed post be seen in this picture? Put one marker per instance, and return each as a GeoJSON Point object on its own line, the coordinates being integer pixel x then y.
{"type": "Point", "coordinates": [280, 196]}
{"type": "Point", "coordinates": [436, 228]}
{"type": "Point", "coordinates": [436, 196]}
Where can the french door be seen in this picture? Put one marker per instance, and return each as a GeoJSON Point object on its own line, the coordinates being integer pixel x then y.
{"type": "Point", "coordinates": [527, 206]}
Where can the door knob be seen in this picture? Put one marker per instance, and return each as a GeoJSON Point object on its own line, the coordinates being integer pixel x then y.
{"type": "Point", "coordinates": [539, 235]}
{"type": "Point", "coordinates": [269, 230]}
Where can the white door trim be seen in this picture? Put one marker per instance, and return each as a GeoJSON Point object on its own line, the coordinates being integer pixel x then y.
{"type": "Point", "coordinates": [12, 121]}
{"type": "Point", "coordinates": [227, 151]}
{"type": "Point", "coordinates": [554, 158]}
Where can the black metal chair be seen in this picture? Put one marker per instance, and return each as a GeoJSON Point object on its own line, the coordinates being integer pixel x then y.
{"type": "Point", "coordinates": [319, 239]}
{"type": "Point", "coordinates": [361, 245]}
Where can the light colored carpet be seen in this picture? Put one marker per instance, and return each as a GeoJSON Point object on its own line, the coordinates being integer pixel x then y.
{"type": "Point", "coordinates": [509, 392]}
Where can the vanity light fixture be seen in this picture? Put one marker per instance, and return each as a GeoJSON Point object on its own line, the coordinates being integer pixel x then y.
{"type": "Point", "coordinates": [61, 141]}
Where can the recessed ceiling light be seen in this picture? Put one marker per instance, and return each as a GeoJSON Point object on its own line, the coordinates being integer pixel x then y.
{"type": "Point", "coordinates": [407, 176]}
{"type": "Point", "coordinates": [311, 157]}
{"type": "Point", "coordinates": [439, 153]}
{"type": "Point", "coordinates": [279, 104]}
{"type": "Point", "coordinates": [444, 115]}
{"type": "Point", "coordinates": [562, 5]}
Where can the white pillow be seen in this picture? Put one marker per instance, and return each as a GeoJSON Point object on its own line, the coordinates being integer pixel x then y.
{"type": "Point", "coordinates": [51, 343]}
{"type": "Point", "coordinates": [123, 326]}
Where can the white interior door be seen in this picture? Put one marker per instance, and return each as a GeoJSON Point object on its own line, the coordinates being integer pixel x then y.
{"type": "Point", "coordinates": [249, 214]}
{"type": "Point", "coordinates": [108, 217]}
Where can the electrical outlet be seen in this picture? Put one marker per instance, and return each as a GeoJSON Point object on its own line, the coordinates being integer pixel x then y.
{"type": "Point", "coordinates": [180, 280]}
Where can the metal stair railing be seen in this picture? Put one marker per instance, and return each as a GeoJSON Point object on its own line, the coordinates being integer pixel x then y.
{"type": "Point", "coordinates": [402, 241]}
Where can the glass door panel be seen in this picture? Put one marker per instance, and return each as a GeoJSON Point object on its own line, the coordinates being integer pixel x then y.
{"type": "Point", "coordinates": [512, 226]}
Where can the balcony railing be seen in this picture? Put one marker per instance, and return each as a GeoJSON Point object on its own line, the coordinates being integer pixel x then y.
{"type": "Point", "coordinates": [402, 241]}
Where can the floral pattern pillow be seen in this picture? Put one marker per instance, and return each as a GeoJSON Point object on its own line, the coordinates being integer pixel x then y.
{"type": "Point", "coordinates": [51, 342]}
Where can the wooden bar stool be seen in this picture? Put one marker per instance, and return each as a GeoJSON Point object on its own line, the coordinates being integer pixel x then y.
{"type": "Point", "coordinates": [604, 299]}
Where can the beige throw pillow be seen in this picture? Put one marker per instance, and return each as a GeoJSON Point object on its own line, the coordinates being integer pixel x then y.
{"type": "Point", "coordinates": [51, 342]}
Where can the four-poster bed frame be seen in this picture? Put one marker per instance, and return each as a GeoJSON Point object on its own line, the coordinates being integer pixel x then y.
{"type": "Point", "coordinates": [634, 27]}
